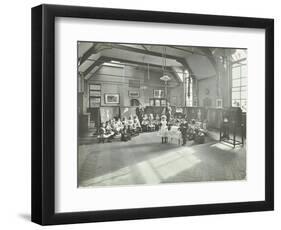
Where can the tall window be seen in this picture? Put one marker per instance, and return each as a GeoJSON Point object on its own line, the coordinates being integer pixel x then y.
{"type": "Point", "coordinates": [189, 91]}
{"type": "Point", "coordinates": [188, 88]}
{"type": "Point", "coordinates": [239, 79]}
{"type": "Point", "coordinates": [239, 84]}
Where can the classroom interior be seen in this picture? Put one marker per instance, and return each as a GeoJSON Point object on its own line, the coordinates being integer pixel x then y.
{"type": "Point", "coordinates": [151, 114]}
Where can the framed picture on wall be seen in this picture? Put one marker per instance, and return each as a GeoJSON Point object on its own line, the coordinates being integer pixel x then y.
{"type": "Point", "coordinates": [134, 94]}
{"type": "Point", "coordinates": [94, 102]}
{"type": "Point", "coordinates": [163, 102]}
{"type": "Point", "coordinates": [94, 93]}
{"type": "Point", "coordinates": [158, 93]}
{"type": "Point", "coordinates": [219, 103]}
{"type": "Point", "coordinates": [157, 102]}
{"type": "Point", "coordinates": [81, 177]}
{"type": "Point", "coordinates": [111, 98]}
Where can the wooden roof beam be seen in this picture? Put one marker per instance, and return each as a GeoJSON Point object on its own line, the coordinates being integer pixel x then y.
{"type": "Point", "coordinates": [87, 54]}
{"type": "Point", "coordinates": [98, 62]}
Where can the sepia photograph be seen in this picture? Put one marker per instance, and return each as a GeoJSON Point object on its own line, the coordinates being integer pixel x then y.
{"type": "Point", "coordinates": [150, 114]}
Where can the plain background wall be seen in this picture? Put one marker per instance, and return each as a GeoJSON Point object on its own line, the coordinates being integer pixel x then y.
{"type": "Point", "coordinates": [211, 85]}
{"type": "Point", "coordinates": [15, 117]}
{"type": "Point", "coordinates": [113, 84]}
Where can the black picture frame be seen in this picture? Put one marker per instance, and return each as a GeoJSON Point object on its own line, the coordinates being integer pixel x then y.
{"type": "Point", "coordinates": [117, 95]}
{"type": "Point", "coordinates": [158, 90]}
{"type": "Point", "coordinates": [43, 114]}
{"type": "Point", "coordinates": [134, 93]}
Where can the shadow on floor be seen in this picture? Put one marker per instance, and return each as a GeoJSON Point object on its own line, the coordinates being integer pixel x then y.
{"type": "Point", "coordinates": [25, 216]}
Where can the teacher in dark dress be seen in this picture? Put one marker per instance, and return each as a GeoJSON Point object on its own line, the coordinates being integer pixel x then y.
{"type": "Point", "coordinates": [168, 112]}
{"type": "Point", "coordinates": [140, 113]}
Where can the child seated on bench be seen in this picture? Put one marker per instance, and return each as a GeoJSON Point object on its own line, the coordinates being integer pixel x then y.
{"type": "Point", "coordinates": [144, 124]}
{"type": "Point", "coordinates": [131, 126]}
{"type": "Point", "coordinates": [105, 132]}
{"type": "Point", "coordinates": [151, 125]}
{"type": "Point", "coordinates": [119, 125]}
{"type": "Point", "coordinates": [125, 134]}
{"type": "Point", "coordinates": [136, 125]}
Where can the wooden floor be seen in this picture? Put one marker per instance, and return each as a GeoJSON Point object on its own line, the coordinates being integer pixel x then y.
{"type": "Point", "coordinates": [144, 160]}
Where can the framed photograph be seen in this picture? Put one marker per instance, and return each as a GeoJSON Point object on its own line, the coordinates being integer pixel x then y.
{"type": "Point", "coordinates": [219, 103]}
{"type": "Point", "coordinates": [94, 102]}
{"type": "Point", "coordinates": [111, 98]}
{"type": "Point", "coordinates": [157, 102]}
{"type": "Point", "coordinates": [134, 94]}
{"type": "Point", "coordinates": [76, 173]}
{"type": "Point", "coordinates": [163, 102]}
{"type": "Point", "coordinates": [94, 93]}
{"type": "Point", "coordinates": [158, 93]}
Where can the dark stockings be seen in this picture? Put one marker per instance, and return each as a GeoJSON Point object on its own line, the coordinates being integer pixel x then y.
{"type": "Point", "coordinates": [164, 140]}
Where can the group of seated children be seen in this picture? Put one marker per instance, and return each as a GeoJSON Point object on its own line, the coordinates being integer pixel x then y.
{"type": "Point", "coordinates": [126, 129]}
{"type": "Point", "coordinates": [149, 124]}
{"type": "Point", "coordinates": [182, 130]}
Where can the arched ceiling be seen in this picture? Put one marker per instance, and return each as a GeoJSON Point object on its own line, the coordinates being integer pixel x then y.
{"type": "Point", "coordinates": [200, 62]}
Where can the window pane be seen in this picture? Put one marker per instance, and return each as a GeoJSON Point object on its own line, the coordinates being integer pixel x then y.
{"type": "Point", "coordinates": [244, 81]}
{"type": "Point", "coordinates": [243, 71]}
{"type": "Point", "coordinates": [239, 83]}
{"type": "Point", "coordinates": [236, 83]}
{"type": "Point", "coordinates": [244, 95]}
{"type": "Point", "coordinates": [236, 89]}
{"type": "Point", "coordinates": [235, 72]}
{"type": "Point", "coordinates": [235, 95]}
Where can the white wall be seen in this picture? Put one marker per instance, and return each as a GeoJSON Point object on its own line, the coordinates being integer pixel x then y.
{"type": "Point", "coordinates": [15, 115]}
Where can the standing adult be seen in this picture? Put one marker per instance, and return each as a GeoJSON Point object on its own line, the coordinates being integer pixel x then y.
{"type": "Point", "coordinates": [168, 112]}
{"type": "Point", "coordinates": [183, 129]}
{"type": "Point", "coordinates": [140, 112]}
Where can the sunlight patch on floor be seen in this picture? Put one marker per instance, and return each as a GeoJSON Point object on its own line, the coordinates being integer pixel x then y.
{"type": "Point", "coordinates": [222, 146]}
{"type": "Point", "coordinates": [173, 163]}
{"type": "Point", "coordinates": [227, 147]}
{"type": "Point", "coordinates": [152, 171]}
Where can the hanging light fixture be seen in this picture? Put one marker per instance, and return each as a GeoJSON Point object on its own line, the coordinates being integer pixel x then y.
{"type": "Point", "coordinates": [165, 77]}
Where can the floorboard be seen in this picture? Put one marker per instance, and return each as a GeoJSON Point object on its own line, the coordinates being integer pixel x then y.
{"type": "Point", "coordinates": [144, 160]}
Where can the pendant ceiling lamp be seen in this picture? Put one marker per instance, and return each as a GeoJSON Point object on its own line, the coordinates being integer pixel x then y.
{"type": "Point", "coordinates": [165, 77]}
